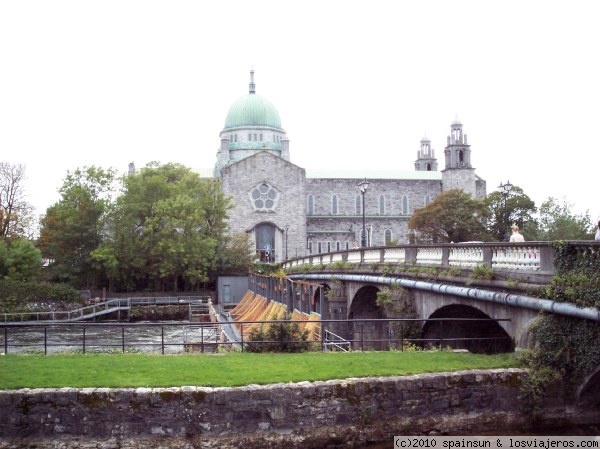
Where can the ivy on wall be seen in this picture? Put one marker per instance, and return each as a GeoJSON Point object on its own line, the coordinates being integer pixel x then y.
{"type": "Point", "coordinates": [567, 349]}
{"type": "Point", "coordinates": [396, 302]}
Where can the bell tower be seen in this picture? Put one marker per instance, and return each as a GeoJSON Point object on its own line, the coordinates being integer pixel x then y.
{"type": "Point", "coordinates": [458, 151]}
{"type": "Point", "coordinates": [458, 172]}
{"type": "Point", "coordinates": [426, 160]}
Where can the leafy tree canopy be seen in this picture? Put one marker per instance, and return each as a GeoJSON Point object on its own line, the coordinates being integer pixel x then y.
{"type": "Point", "coordinates": [168, 224]}
{"type": "Point", "coordinates": [23, 260]}
{"type": "Point", "coordinates": [76, 225]}
{"type": "Point", "coordinates": [453, 216]}
{"type": "Point", "coordinates": [557, 221]}
{"type": "Point", "coordinates": [235, 255]}
{"type": "Point", "coordinates": [503, 211]}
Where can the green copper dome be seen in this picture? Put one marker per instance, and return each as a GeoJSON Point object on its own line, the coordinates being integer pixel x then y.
{"type": "Point", "coordinates": [252, 110]}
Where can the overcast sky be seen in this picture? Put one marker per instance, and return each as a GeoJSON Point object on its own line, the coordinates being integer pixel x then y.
{"type": "Point", "coordinates": [357, 85]}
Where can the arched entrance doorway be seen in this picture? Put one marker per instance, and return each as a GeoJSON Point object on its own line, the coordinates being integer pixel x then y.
{"type": "Point", "coordinates": [264, 234]}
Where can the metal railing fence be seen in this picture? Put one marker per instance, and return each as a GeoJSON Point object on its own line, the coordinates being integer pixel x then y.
{"type": "Point", "coordinates": [359, 335]}
{"type": "Point", "coordinates": [103, 307]}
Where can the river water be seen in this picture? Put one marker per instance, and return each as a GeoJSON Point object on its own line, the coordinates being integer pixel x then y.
{"type": "Point", "coordinates": [167, 338]}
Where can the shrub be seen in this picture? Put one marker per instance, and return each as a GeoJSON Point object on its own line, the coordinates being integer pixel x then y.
{"type": "Point", "coordinates": [279, 336]}
{"type": "Point", "coordinates": [16, 296]}
{"type": "Point", "coordinates": [482, 271]}
{"type": "Point", "coordinates": [341, 265]}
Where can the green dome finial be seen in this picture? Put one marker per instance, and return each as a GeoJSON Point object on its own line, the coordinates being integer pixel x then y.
{"type": "Point", "coordinates": [252, 110]}
{"type": "Point", "coordinates": [252, 85]}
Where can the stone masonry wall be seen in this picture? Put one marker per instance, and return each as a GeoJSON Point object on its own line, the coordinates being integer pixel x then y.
{"type": "Point", "coordinates": [304, 414]}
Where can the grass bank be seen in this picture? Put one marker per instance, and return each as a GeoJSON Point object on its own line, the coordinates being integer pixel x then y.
{"type": "Point", "coordinates": [227, 369]}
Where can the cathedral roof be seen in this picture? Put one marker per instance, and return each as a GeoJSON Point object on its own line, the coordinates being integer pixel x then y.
{"type": "Point", "coordinates": [252, 110]}
{"type": "Point", "coordinates": [373, 174]}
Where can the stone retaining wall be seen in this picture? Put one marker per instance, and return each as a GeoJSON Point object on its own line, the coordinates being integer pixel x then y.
{"type": "Point", "coordinates": [305, 414]}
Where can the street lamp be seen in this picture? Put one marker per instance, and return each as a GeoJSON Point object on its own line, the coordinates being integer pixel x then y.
{"type": "Point", "coordinates": [286, 240]}
{"type": "Point", "coordinates": [504, 191]}
{"type": "Point", "coordinates": [363, 186]}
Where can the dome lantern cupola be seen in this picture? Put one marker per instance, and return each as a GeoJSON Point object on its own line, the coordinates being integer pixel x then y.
{"type": "Point", "coordinates": [252, 125]}
{"type": "Point", "coordinates": [252, 110]}
{"type": "Point", "coordinates": [252, 87]}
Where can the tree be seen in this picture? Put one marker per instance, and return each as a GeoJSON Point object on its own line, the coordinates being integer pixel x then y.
{"type": "Point", "coordinates": [520, 209]}
{"type": "Point", "coordinates": [453, 216]}
{"type": "Point", "coordinates": [20, 260]}
{"type": "Point", "coordinates": [76, 225]}
{"type": "Point", "coordinates": [16, 215]}
{"type": "Point", "coordinates": [3, 258]}
{"type": "Point", "coordinates": [167, 227]}
{"type": "Point", "coordinates": [558, 222]}
{"type": "Point", "coordinates": [235, 255]}
{"type": "Point", "coordinates": [23, 260]}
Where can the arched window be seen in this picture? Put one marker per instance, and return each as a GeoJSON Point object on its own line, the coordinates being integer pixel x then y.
{"type": "Point", "coordinates": [328, 247]}
{"type": "Point", "coordinates": [358, 204]}
{"type": "Point", "coordinates": [337, 246]}
{"type": "Point", "coordinates": [404, 205]}
{"type": "Point", "coordinates": [381, 204]}
{"type": "Point", "coordinates": [310, 204]}
{"type": "Point", "coordinates": [387, 237]}
{"type": "Point", "coordinates": [334, 204]}
{"type": "Point", "coordinates": [427, 200]}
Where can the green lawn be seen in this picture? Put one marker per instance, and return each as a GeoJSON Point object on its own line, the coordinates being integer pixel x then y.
{"type": "Point", "coordinates": [226, 369]}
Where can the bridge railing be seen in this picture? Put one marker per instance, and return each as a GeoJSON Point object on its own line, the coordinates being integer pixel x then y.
{"type": "Point", "coordinates": [535, 257]}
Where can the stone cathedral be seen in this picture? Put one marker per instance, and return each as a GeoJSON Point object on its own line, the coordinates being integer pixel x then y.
{"type": "Point", "coordinates": [290, 212]}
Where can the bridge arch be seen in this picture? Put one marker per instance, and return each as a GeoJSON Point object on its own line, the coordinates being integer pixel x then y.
{"type": "Point", "coordinates": [524, 337]}
{"type": "Point", "coordinates": [457, 333]}
{"type": "Point", "coordinates": [588, 393]}
{"type": "Point", "coordinates": [363, 305]}
{"type": "Point", "coordinates": [323, 291]}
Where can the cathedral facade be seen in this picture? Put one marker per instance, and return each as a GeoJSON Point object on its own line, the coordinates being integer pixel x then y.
{"type": "Point", "coordinates": [289, 211]}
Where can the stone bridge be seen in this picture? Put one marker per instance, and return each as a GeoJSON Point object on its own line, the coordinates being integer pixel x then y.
{"type": "Point", "coordinates": [451, 288]}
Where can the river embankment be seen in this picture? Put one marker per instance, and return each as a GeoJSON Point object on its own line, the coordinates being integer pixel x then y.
{"type": "Point", "coordinates": [336, 413]}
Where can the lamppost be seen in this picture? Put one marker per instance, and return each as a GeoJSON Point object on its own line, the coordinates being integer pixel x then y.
{"type": "Point", "coordinates": [504, 191]}
{"type": "Point", "coordinates": [363, 186]}
{"type": "Point", "coordinates": [286, 240]}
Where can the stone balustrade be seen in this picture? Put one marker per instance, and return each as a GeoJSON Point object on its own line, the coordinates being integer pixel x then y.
{"type": "Point", "coordinates": [527, 257]}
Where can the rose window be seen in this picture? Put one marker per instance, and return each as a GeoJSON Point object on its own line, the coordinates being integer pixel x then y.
{"type": "Point", "coordinates": [264, 197]}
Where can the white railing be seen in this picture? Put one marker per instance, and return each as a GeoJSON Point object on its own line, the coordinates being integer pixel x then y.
{"type": "Point", "coordinates": [465, 257]}
{"type": "Point", "coordinates": [534, 257]}
{"type": "Point", "coordinates": [337, 257]}
{"type": "Point", "coordinates": [394, 255]}
{"type": "Point", "coordinates": [354, 256]}
{"type": "Point", "coordinates": [429, 256]}
{"type": "Point", "coordinates": [332, 342]}
{"type": "Point", "coordinates": [372, 256]}
{"type": "Point", "coordinates": [517, 258]}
